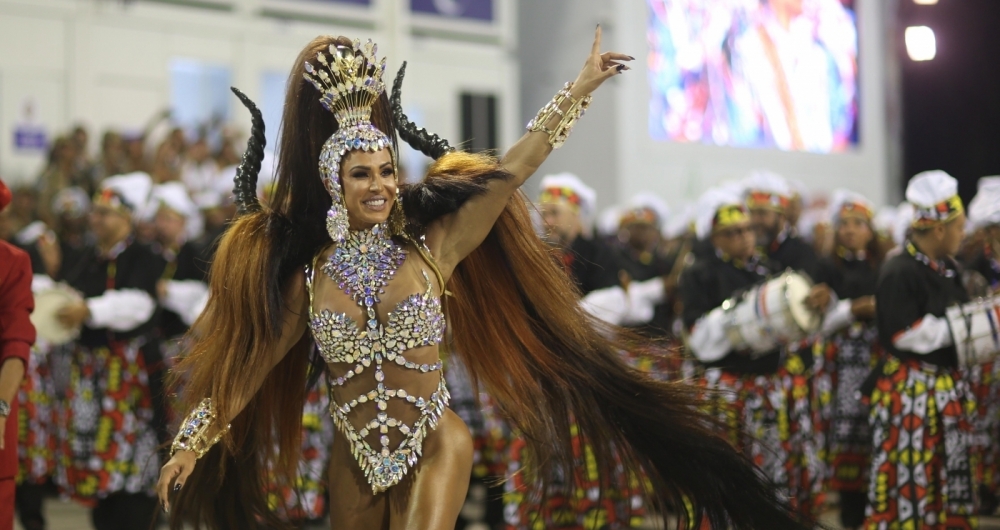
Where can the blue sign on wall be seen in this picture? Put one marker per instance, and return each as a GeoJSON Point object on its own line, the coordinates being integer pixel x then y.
{"type": "Point", "coordinates": [462, 9]}
{"type": "Point", "coordinates": [30, 138]}
{"type": "Point", "coordinates": [355, 2]}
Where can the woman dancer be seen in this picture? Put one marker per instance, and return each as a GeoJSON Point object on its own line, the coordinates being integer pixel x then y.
{"type": "Point", "coordinates": [401, 458]}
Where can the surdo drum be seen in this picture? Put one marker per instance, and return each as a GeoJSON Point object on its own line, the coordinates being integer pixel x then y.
{"type": "Point", "coordinates": [771, 314]}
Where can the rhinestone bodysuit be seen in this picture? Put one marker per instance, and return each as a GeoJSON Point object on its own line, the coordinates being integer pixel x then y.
{"type": "Point", "coordinates": [415, 322]}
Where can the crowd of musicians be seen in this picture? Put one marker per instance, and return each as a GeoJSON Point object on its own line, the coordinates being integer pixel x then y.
{"type": "Point", "coordinates": [825, 331]}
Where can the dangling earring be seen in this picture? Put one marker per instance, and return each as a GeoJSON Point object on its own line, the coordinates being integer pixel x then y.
{"type": "Point", "coordinates": [397, 219]}
{"type": "Point", "coordinates": [336, 216]}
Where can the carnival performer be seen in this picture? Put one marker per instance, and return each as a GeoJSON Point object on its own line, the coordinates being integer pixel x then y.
{"type": "Point", "coordinates": [768, 196]}
{"type": "Point", "coordinates": [39, 396]}
{"type": "Point", "coordinates": [848, 353]}
{"type": "Point", "coordinates": [182, 287]}
{"type": "Point", "coordinates": [644, 257]}
{"type": "Point", "coordinates": [565, 202]}
{"type": "Point", "coordinates": [984, 379]}
{"type": "Point", "coordinates": [921, 474]}
{"type": "Point", "coordinates": [283, 278]}
{"type": "Point", "coordinates": [115, 416]}
{"type": "Point", "coordinates": [17, 334]}
{"type": "Point", "coordinates": [743, 385]}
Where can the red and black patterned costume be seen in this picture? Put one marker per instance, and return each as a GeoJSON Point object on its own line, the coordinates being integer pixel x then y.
{"type": "Point", "coordinates": [922, 465]}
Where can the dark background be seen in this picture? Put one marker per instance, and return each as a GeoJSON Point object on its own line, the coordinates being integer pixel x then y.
{"type": "Point", "coordinates": [951, 105]}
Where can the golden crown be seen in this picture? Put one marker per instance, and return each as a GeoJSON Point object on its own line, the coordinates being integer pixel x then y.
{"type": "Point", "coordinates": [350, 81]}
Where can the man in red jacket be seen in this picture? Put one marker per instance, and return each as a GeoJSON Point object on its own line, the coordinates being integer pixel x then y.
{"type": "Point", "coordinates": [16, 337]}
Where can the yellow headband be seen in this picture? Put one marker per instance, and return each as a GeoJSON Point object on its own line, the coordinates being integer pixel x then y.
{"type": "Point", "coordinates": [940, 213]}
{"type": "Point", "coordinates": [729, 215]}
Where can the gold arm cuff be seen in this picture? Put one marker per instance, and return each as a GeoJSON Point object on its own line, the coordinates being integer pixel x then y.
{"type": "Point", "coordinates": [193, 434]}
{"type": "Point", "coordinates": [568, 118]}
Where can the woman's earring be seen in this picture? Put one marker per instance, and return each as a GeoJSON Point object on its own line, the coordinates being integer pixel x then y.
{"type": "Point", "coordinates": [336, 216]}
{"type": "Point", "coordinates": [397, 219]}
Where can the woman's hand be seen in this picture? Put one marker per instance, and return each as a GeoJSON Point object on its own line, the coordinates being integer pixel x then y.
{"type": "Point", "coordinates": [173, 474]}
{"type": "Point", "coordinates": [598, 68]}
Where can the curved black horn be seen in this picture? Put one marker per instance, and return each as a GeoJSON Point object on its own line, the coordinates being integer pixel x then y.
{"type": "Point", "coordinates": [429, 144]}
{"type": "Point", "coordinates": [245, 182]}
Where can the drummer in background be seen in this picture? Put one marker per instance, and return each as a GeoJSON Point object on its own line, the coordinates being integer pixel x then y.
{"type": "Point", "coordinates": [644, 257]}
{"type": "Point", "coordinates": [741, 383]}
{"type": "Point", "coordinates": [40, 395]}
{"type": "Point", "coordinates": [565, 202]}
{"type": "Point", "coordinates": [768, 197]}
{"type": "Point", "coordinates": [921, 474]}
{"type": "Point", "coordinates": [115, 418]}
{"type": "Point", "coordinates": [849, 351]}
{"type": "Point", "coordinates": [984, 379]}
{"type": "Point", "coordinates": [16, 337]}
{"type": "Point", "coordinates": [183, 284]}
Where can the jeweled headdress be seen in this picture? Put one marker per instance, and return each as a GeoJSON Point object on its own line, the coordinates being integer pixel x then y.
{"type": "Point", "coordinates": [350, 81]}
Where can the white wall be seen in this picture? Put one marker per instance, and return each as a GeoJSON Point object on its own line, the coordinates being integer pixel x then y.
{"type": "Point", "coordinates": [105, 64]}
{"type": "Point", "coordinates": [611, 148]}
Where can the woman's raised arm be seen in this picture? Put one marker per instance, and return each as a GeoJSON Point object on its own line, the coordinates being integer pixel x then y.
{"type": "Point", "coordinates": [455, 236]}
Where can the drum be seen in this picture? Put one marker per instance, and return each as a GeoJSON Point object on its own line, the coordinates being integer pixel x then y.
{"type": "Point", "coordinates": [975, 329]}
{"type": "Point", "coordinates": [48, 302]}
{"type": "Point", "coordinates": [771, 314]}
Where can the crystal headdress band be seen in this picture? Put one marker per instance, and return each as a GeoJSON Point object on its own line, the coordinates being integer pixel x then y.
{"type": "Point", "coordinates": [350, 81]}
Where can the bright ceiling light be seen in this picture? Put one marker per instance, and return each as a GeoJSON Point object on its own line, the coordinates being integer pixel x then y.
{"type": "Point", "coordinates": [925, 2]}
{"type": "Point", "coordinates": [920, 43]}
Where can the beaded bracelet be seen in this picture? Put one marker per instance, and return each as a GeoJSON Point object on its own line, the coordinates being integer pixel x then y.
{"type": "Point", "coordinates": [558, 136]}
{"type": "Point", "coordinates": [193, 435]}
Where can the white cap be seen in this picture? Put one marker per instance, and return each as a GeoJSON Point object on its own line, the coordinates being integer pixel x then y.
{"type": "Point", "coordinates": [132, 188]}
{"type": "Point", "coordinates": [709, 205]}
{"type": "Point", "coordinates": [809, 220]}
{"type": "Point", "coordinates": [800, 189]}
{"type": "Point", "coordinates": [650, 201]}
{"type": "Point", "coordinates": [569, 187]}
{"type": "Point", "coordinates": [932, 194]}
{"type": "Point", "coordinates": [73, 201]}
{"type": "Point", "coordinates": [984, 209]}
{"type": "Point", "coordinates": [885, 219]}
{"type": "Point", "coordinates": [770, 184]}
{"type": "Point", "coordinates": [607, 221]}
{"type": "Point", "coordinates": [988, 182]}
{"type": "Point", "coordinates": [842, 198]}
{"type": "Point", "coordinates": [174, 196]}
{"type": "Point", "coordinates": [679, 223]}
{"type": "Point", "coordinates": [904, 219]}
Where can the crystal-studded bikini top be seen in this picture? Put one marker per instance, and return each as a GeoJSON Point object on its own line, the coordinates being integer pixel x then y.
{"type": "Point", "coordinates": [415, 322]}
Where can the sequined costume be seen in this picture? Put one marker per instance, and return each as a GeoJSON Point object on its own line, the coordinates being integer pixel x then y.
{"type": "Point", "coordinates": [416, 322]}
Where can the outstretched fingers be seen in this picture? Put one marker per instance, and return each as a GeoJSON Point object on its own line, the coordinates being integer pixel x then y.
{"type": "Point", "coordinates": [595, 50]}
{"type": "Point", "coordinates": [167, 476]}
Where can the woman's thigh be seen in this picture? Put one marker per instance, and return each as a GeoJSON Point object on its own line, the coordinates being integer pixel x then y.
{"type": "Point", "coordinates": [432, 496]}
{"type": "Point", "coordinates": [352, 503]}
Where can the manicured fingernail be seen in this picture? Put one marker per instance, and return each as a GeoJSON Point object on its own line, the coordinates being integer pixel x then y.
{"type": "Point", "coordinates": [177, 487]}
{"type": "Point", "coordinates": [631, 58]}
{"type": "Point", "coordinates": [621, 67]}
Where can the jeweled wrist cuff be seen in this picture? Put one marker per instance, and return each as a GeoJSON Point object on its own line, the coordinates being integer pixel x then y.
{"type": "Point", "coordinates": [558, 136]}
{"type": "Point", "coordinates": [193, 435]}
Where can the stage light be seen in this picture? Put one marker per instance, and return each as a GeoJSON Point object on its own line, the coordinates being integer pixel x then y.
{"type": "Point", "coordinates": [920, 43]}
{"type": "Point", "coordinates": [925, 2]}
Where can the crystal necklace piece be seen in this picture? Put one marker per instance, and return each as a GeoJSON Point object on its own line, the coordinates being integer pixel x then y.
{"type": "Point", "coordinates": [364, 264]}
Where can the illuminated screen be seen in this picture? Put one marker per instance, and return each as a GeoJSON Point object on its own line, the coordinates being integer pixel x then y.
{"type": "Point", "coordinates": [754, 73]}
